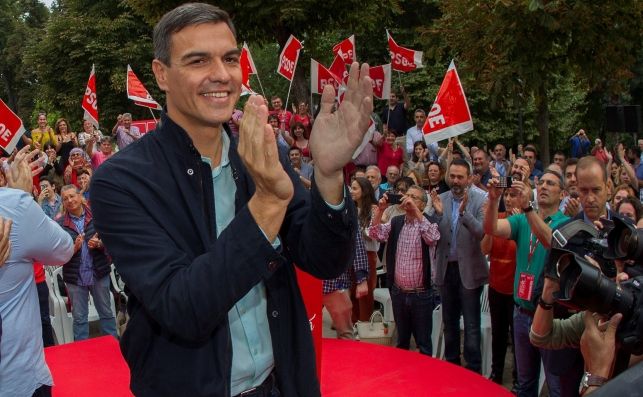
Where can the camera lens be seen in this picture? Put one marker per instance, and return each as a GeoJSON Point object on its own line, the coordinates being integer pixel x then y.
{"type": "Point", "coordinates": [583, 286]}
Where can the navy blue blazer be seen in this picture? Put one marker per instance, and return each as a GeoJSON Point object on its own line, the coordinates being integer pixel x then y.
{"type": "Point", "coordinates": [153, 206]}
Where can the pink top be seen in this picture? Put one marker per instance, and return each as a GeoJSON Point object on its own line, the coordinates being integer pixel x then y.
{"type": "Point", "coordinates": [386, 157]}
{"type": "Point", "coordinates": [99, 158]}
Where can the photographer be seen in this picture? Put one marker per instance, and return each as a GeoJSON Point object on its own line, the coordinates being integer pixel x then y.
{"type": "Point", "coordinates": [531, 231]}
{"type": "Point", "coordinates": [549, 333]}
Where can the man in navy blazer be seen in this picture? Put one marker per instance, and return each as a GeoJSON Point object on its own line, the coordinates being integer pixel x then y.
{"type": "Point", "coordinates": [205, 231]}
{"type": "Point", "coordinates": [460, 267]}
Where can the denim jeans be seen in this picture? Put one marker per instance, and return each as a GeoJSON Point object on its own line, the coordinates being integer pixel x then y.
{"type": "Point", "coordinates": [413, 313]}
{"type": "Point", "coordinates": [79, 307]}
{"type": "Point", "coordinates": [528, 360]}
{"type": "Point", "coordinates": [458, 300]}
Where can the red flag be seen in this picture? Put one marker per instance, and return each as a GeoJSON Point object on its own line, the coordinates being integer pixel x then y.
{"type": "Point", "coordinates": [403, 59]}
{"type": "Point", "coordinates": [136, 91]}
{"type": "Point", "coordinates": [346, 50]}
{"type": "Point", "coordinates": [381, 78]}
{"type": "Point", "coordinates": [288, 58]}
{"type": "Point", "coordinates": [320, 77]}
{"type": "Point", "coordinates": [338, 68]}
{"type": "Point", "coordinates": [449, 115]}
{"type": "Point", "coordinates": [247, 66]}
{"type": "Point", "coordinates": [11, 128]}
{"type": "Point", "coordinates": [90, 100]}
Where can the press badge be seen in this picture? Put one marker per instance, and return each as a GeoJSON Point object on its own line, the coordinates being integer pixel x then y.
{"type": "Point", "coordinates": [525, 286]}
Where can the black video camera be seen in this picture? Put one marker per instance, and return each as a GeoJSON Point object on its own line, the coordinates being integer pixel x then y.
{"type": "Point", "coordinates": [584, 286]}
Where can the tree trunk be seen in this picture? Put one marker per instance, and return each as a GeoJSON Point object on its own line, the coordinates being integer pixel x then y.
{"type": "Point", "coordinates": [542, 122]}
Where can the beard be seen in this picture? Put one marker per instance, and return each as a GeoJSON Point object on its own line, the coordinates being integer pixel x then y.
{"type": "Point", "coordinates": [457, 190]}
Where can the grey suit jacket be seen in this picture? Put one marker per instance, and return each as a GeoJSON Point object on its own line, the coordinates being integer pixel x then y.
{"type": "Point", "coordinates": [473, 266]}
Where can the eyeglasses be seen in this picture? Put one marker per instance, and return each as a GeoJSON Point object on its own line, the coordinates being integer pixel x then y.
{"type": "Point", "coordinates": [74, 155]}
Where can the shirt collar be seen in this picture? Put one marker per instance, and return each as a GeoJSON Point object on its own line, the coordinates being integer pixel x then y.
{"type": "Point", "coordinates": [225, 160]}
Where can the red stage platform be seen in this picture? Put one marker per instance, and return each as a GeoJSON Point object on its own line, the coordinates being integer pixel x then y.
{"type": "Point", "coordinates": [96, 368]}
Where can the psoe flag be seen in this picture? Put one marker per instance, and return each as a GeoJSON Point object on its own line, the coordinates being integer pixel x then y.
{"type": "Point", "coordinates": [381, 79]}
{"type": "Point", "coordinates": [90, 100]}
{"type": "Point", "coordinates": [449, 115]}
{"type": "Point", "coordinates": [11, 128]}
{"type": "Point", "coordinates": [346, 50]}
{"type": "Point", "coordinates": [288, 58]}
{"type": "Point", "coordinates": [321, 77]}
{"type": "Point", "coordinates": [403, 59]}
{"type": "Point", "coordinates": [247, 66]}
{"type": "Point", "coordinates": [137, 92]}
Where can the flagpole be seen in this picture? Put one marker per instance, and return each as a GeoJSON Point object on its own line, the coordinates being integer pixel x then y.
{"type": "Point", "coordinates": [399, 77]}
{"type": "Point", "coordinates": [260, 85]}
{"type": "Point", "coordinates": [155, 120]}
{"type": "Point", "coordinates": [290, 86]}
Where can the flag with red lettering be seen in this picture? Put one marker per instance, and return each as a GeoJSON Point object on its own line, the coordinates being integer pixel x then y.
{"type": "Point", "coordinates": [346, 50]}
{"type": "Point", "coordinates": [320, 77]}
{"type": "Point", "coordinates": [338, 68]}
{"type": "Point", "coordinates": [247, 66]}
{"type": "Point", "coordinates": [449, 115]}
{"type": "Point", "coordinates": [90, 100]}
{"type": "Point", "coordinates": [381, 78]}
{"type": "Point", "coordinates": [11, 128]}
{"type": "Point", "coordinates": [136, 91]}
{"type": "Point", "coordinates": [288, 58]}
{"type": "Point", "coordinates": [403, 59]}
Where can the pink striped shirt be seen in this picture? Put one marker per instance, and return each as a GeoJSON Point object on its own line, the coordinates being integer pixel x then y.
{"type": "Point", "coordinates": [408, 257]}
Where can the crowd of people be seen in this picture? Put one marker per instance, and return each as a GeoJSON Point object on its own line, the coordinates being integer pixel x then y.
{"type": "Point", "coordinates": [440, 218]}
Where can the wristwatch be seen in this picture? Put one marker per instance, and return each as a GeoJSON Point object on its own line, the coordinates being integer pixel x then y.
{"type": "Point", "coordinates": [590, 380]}
{"type": "Point", "coordinates": [545, 305]}
{"type": "Point", "coordinates": [528, 209]}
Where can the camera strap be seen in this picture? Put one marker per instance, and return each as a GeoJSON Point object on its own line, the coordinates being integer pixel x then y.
{"type": "Point", "coordinates": [564, 233]}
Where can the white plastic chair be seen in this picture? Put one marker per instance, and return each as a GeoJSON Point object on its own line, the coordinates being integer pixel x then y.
{"type": "Point", "coordinates": [61, 320]}
{"type": "Point", "coordinates": [383, 296]}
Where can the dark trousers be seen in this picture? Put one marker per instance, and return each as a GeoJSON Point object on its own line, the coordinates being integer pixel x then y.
{"type": "Point", "coordinates": [45, 320]}
{"type": "Point", "coordinates": [413, 312]}
{"type": "Point", "coordinates": [42, 391]}
{"type": "Point", "coordinates": [457, 300]}
{"type": "Point", "coordinates": [501, 307]}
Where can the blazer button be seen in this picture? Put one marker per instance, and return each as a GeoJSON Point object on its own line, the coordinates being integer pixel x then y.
{"type": "Point", "coordinates": [275, 314]}
{"type": "Point", "coordinates": [272, 265]}
{"type": "Point", "coordinates": [190, 171]}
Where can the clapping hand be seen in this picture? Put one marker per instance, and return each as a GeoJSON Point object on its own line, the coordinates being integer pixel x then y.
{"type": "Point", "coordinates": [336, 135]}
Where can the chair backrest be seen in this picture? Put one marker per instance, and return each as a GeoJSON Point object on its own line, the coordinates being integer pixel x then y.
{"type": "Point", "coordinates": [484, 299]}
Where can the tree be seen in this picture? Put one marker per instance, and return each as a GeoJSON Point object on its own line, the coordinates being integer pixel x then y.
{"type": "Point", "coordinates": [511, 46]}
{"type": "Point", "coordinates": [23, 24]}
{"type": "Point", "coordinates": [81, 33]}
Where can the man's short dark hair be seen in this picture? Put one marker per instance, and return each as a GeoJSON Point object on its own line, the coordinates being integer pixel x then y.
{"type": "Point", "coordinates": [83, 171]}
{"type": "Point", "coordinates": [561, 181]}
{"type": "Point", "coordinates": [568, 162]}
{"type": "Point", "coordinates": [273, 117]}
{"type": "Point", "coordinates": [45, 178]}
{"type": "Point", "coordinates": [531, 148]}
{"type": "Point", "coordinates": [294, 147]}
{"type": "Point", "coordinates": [560, 153]}
{"type": "Point", "coordinates": [185, 15]}
{"type": "Point", "coordinates": [461, 163]}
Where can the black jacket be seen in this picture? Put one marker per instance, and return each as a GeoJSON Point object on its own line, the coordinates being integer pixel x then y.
{"type": "Point", "coordinates": [100, 260]}
{"type": "Point", "coordinates": [397, 223]}
{"type": "Point", "coordinates": [153, 207]}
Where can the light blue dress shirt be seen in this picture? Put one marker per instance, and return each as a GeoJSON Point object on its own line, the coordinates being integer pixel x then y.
{"type": "Point", "coordinates": [455, 215]}
{"type": "Point", "coordinates": [34, 236]}
{"type": "Point", "coordinates": [252, 356]}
